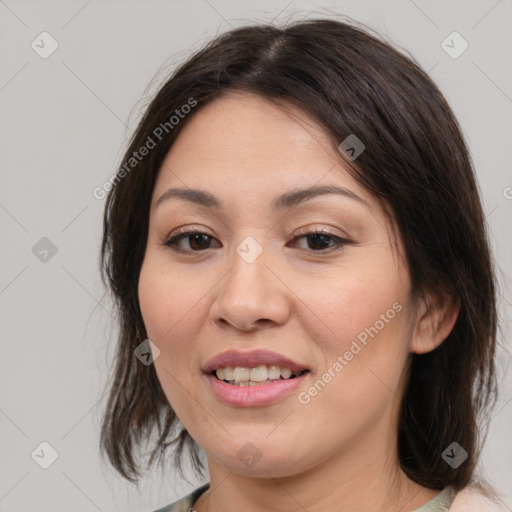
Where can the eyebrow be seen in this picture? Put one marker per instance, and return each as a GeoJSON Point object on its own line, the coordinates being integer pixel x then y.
{"type": "Point", "coordinates": [286, 200]}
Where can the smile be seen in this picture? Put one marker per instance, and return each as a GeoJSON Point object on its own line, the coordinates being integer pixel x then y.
{"type": "Point", "coordinates": [259, 375]}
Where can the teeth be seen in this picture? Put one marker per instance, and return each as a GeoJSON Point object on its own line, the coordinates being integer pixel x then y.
{"type": "Point", "coordinates": [286, 373]}
{"type": "Point", "coordinates": [259, 374]}
{"type": "Point", "coordinates": [241, 373]}
{"type": "Point", "coordinates": [244, 376]}
{"type": "Point", "coordinates": [274, 372]}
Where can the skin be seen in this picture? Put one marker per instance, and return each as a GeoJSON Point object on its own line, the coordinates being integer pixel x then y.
{"type": "Point", "coordinates": [337, 452]}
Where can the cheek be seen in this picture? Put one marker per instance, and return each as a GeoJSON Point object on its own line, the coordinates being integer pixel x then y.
{"type": "Point", "coordinates": [173, 314]}
{"type": "Point", "coordinates": [170, 304]}
{"type": "Point", "coordinates": [365, 325]}
{"type": "Point", "coordinates": [353, 302]}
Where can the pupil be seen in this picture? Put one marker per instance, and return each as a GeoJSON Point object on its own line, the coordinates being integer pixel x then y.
{"type": "Point", "coordinates": [317, 237]}
{"type": "Point", "coordinates": [194, 239]}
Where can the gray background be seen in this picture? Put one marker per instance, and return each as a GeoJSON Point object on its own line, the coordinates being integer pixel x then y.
{"type": "Point", "coordinates": [63, 128]}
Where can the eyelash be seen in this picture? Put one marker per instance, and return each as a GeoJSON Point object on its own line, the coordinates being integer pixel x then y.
{"type": "Point", "coordinates": [180, 235]}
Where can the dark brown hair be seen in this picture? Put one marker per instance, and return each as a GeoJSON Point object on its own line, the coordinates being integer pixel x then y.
{"type": "Point", "coordinates": [416, 163]}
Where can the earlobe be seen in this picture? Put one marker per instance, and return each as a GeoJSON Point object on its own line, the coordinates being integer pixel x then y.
{"type": "Point", "coordinates": [434, 324]}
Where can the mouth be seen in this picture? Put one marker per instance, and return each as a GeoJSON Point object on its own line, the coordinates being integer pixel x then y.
{"type": "Point", "coordinates": [254, 368]}
{"type": "Point", "coordinates": [261, 375]}
{"type": "Point", "coordinates": [255, 386]}
{"type": "Point", "coordinates": [258, 378]}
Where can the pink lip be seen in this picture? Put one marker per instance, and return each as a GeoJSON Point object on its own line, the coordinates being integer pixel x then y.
{"type": "Point", "coordinates": [253, 396]}
{"type": "Point", "coordinates": [233, 358]}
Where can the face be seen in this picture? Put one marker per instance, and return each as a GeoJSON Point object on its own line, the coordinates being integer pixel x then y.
{"type": "Point", "coordinates": [316, 281]}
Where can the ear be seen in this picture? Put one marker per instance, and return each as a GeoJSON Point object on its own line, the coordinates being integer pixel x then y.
{"type": "Point", "coordinates": [434, 321]}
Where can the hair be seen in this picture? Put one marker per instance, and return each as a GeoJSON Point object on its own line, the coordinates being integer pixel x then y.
{"type": "Point", "coordinates": [416, 163]}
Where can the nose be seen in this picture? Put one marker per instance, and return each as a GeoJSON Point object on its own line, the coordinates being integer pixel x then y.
{"type": "Point", "coordinates": [251, 296]}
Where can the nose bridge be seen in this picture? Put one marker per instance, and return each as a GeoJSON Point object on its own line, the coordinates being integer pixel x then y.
{"type": "Point", "coordinates": [248, 269]}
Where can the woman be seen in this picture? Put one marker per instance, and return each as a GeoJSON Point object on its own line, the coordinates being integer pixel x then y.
{"type": "Point", "coordinates": [297, 228]}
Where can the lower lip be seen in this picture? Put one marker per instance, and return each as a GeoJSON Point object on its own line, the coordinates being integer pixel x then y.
{"type": "Point", "coordinates": [253, 396]}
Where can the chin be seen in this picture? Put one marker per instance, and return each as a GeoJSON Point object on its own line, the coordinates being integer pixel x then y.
{"type": "Point", "coordinates": [261, 460]}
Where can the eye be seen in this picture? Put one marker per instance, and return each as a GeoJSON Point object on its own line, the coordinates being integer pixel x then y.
{"type": "Point", "coordinates": [197, 241]}
{"type": "Point", "coordinates": [320, 240]}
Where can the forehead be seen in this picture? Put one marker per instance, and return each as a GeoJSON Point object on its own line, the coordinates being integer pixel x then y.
{"type": "Point", "coordinates": [244, 143]}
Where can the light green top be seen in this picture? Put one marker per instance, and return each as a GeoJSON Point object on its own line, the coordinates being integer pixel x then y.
{"type": "Point", "coordinates": [441, 503]}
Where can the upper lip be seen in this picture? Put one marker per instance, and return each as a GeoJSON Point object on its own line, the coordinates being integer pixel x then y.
{"type": "Point", "coordinates": [233, 358]}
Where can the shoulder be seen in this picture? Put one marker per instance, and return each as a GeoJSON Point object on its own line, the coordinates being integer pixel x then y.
{"type": "Point", "coordinates": [186, 504]}
{"type": "Point", "coordinates": [472, 499]}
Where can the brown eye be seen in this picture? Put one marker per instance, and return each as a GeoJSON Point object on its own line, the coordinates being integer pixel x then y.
{"type": "Point", "coordinates": [197, 241]}
{"type": "Point", "coordinates": [320, 240]}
